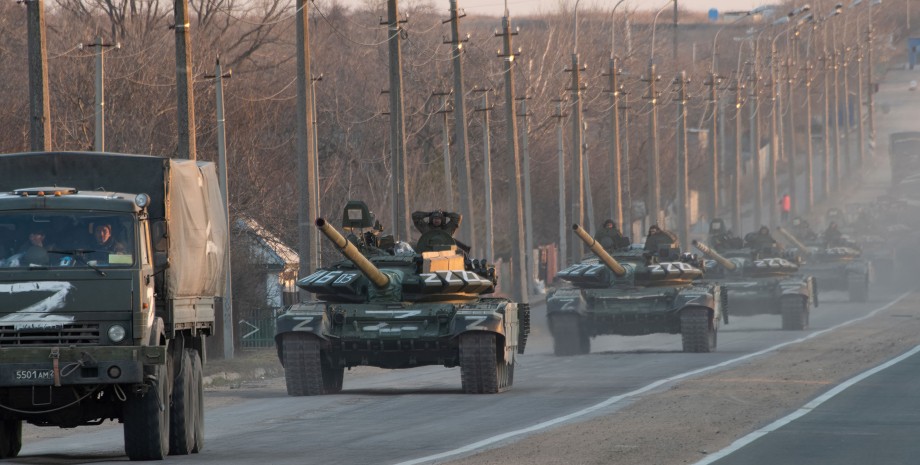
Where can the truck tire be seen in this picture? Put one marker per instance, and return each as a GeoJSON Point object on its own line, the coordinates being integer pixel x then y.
{"type": "Point", "coordinates": [198, 400]}
{"type": "Point", "coordinates": [303, 370]}
{"type": "Point", "coordinates": [181, 415]}
{"type": "Point", "coordinates": [795, 313]}
{"type": "Point", "coordinates": [858, 287]}
{"type": "Point", "coordinates": [697, 332]}
{"type": "Point", "coordinates": [568, 336]}
{"type": "Point", "coordinates": [481, 372]}
{"type": "Point", "coordinates": [146, 416]}
{"type": "Point", "coordinates": [10, 438]}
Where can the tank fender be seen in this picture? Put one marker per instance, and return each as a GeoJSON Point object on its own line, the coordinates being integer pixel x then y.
{"type": "Point", "coordinates": [306, 317]}
{"type": "Point", "coordinates": [697, 296]}
{"type": "Point", "coordinates": [565, 300]}
{"type": "Point", "coordinates": [859, 267]}
{"type": "Point", "coordinates": [478, 320]}
{"type": "Point", "coordinates": [800, 287]}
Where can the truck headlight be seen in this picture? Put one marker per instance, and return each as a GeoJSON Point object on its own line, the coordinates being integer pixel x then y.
{"type": "Point", "coordinates": [117, 333]}
{"type": "Point", "coordinates": [141, 200]}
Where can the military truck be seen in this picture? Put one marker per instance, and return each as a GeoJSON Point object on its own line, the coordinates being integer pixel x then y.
{"type": "Point", "coordinates": [105, 317]}
{"type": "Point", "coordinates": [634, 294]}
{"type": "Point", "coordinates": [761, 285]}
{"type": "Point", "coordinates": [391, 306]}
{"type": "Point", "coordinates": [836, 268]}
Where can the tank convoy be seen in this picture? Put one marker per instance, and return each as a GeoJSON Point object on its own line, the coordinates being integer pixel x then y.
{"type": "Point", "coordinates": [633, 293]}
{"type": "Point", "coordinates": [391, 306]}
{"type": "Point", "coordinates": [836, 268]}
{"type": "Point", "coordinates": [762, 285]}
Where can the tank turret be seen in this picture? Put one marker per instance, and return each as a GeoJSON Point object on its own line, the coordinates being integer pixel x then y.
{"type": "Point", "coordinates": [598, 250]}
{"type": "Point", "coordinates": [726, 263]}
{"type": "Point", "coordinates": [793, 240]}
{"type": "Point", "coordinates": [352, 253]}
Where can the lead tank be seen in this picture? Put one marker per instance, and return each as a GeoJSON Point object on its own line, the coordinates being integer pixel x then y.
{"type": "Point", "coordinates": [759, 285]}
{"type": "Point", "coordinates": [836, 268]}
{"type": "Point", "coordinates": [389, 306]}
{"type": "Point", "coordinates": [632, 293]}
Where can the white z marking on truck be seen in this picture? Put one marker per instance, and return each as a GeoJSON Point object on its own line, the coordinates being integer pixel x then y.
{"type": "Point", "coordinates": [39, 314]}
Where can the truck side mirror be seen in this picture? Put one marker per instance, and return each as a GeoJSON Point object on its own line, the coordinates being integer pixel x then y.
{"type": "Point", "coordinates": [158, 234]}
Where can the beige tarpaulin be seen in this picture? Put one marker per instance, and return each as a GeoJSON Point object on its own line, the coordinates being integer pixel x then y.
{"type": "Point", "coordinates": [197, 230]}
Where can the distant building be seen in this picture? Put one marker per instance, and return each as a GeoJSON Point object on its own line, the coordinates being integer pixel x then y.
{"type": "Point", "coordinates": [268, 272]}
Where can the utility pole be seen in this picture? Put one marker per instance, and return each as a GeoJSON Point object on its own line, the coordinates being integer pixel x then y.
{"type": "Point", "coordinates": [809, 156]}
{"type": "Point", "coordinates": [445, 136]}
{"type": "Point", "coordinates": [560, 158]}
{"type": "Point", "coordinates": [589, 197]}
{"type": "Point", "coordinates": [625, 172]}
{"type": "Point", "coordinates": [401, 219]}
{"type": "Point", "coordinates": [615, 162]}
{"type": "Point", "coordinates": [736, 175]}
{"type": "Point", "coordinates": [227, 311]}
{"type": "Point", "coordinates": [774, 138]}
{"type": "Point", "coordinates": [790, 136]}
{"type": "Point", "coordinates": [99, 104]}
{"type": "Point", "coordinates": [306, 157]}
{"type": "Point", "coordinates": [39, 103]}
{"type": "Point", "coordinates": [519, 286]}
{"type": "Point", "coordinates": [713, 84]}
{"type": "Point", "coordinates": [828, 162]}
{"type": "Point", "coordinates": [468, 225]}
{"type": "Point", "coordinates": [860, 126]}
{"type": "Point", "coordinates": [846, 110]}
{"type": "Point", "coordinates": [838, 175]}
{"type": "Point", "coordinates": [577, 176]}
{"type": "Point", "coordinates": [185, 92]}
{"type": "Point", "coordinates": [754, 110]}
{"type": "Point", "coordinates": [314, 195]}
{"type": "Point", "coordinates": [683, 205]}
{"type": "Point", "coordinates": [674, 36]}
{"type": "Point", "coordinates": [654, 187]}
{"type": "Point", "coordinates": [487, 169]}
{"type": "Point", "coordinates": [528, 201]}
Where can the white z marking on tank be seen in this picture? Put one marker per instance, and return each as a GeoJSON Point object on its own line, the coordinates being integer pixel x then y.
{"type": "Point", "coordinates": [27, 318]}
{"type": "Point", "coordinates": [397, 314]}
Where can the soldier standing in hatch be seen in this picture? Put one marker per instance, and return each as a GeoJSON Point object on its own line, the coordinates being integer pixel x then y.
{"type": "Point", "coordinates": [610, 238]}
{"type": "Point", "coordinates": [427, 221]}
{"type": "Point", "coordinates": [658, 238]}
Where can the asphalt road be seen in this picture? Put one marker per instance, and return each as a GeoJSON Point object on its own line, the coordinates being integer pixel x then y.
{"type": "Point", "coordinates": [874, 420]}
{"type": "Point", "coordinates": [401, 416]}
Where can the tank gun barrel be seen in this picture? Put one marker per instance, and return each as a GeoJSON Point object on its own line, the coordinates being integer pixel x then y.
{"type": "Point", "coordinates": [792, 239]}
{"type": "Point", "coordinates": [352, 253]}
{"type": "Point", "coordinates": [598, 250]}
{"type": "Point", "coordinates": [726, 263]}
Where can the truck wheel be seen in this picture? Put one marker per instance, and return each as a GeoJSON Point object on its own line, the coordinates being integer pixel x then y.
{"type": "Point", "coordinates": [181, 415]}
{"type": "Point", "coordinates": [10, 438]}
{"type": "Point", "coordinates": [568, 336]}
{"type": "Point", "coordinates": [858, 286]}
{"type": "Point", "coordinates": [197, 400]}
{"type": "Point", "coordinates": [794, 312]}
{"type": "Point", "coordinates": [697, 333]}
{"type": "Point", "coordinates": [303, 371]}
{"type": "Point", "coordinates": [146, 416]}
{"type": "Point", "coordinates": [481, 372]}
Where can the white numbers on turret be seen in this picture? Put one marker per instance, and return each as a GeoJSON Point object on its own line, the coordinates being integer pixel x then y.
{"type": "Point", "coordinates": [772, 263]}
{"type": "Point", "coordinates": [328, 277]}
{"type": "Point", "coordinates": [346, 278]}
{"type": "Point", "coordinates": [669, 267]}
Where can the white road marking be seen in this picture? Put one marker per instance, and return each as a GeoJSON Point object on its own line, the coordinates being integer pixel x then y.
{"type": "Point", "coordinates": [469, 448]}
{"type": "Point", "coordinates": [807, 408]}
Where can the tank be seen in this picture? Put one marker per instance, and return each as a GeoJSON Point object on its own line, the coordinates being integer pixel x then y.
{"type": "Point", "coordinates": [836, 268]}
{"type": "Point", "coordinates": [758, 285]}
{"type": "Point", "coordinates": [632, 293]}
{"type": "Point", "coordinates": [388, 306]}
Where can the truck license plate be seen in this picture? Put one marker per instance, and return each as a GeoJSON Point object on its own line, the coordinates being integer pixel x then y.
{"type": "Point", "coordinates": [25, 376]}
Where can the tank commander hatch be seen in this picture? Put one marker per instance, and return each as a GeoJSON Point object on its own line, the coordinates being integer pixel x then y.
{"type": "Point", "coordinates": [437, 219]}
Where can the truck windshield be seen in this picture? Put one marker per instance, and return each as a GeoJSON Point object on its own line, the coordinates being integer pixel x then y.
{"type": "Point", "coordinates": [66, 239]}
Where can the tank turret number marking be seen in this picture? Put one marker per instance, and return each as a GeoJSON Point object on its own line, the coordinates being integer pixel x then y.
{"type": "Point", "coordinates": [669, 267]}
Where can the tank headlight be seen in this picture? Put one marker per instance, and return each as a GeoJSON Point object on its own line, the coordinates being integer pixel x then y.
{"type": "Point", "coordinates": [141, 200]}
{"type": "Point", "coordinates": [117, 333]}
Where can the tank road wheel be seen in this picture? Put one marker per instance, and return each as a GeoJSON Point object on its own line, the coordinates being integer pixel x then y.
{"type": "Point", "coordinates": [697, 333]}
{"type": "Point", "coordinates": [146, 416]}
{"type": "Point", "coordinates": [568, 336]}
{"type": "Point", "coordinates": [197, 400]}
{"type": "Point", "coordinates": [10, 438]}
{"type": "Point", "coordinates": [481, 371]}
{"type": "Point", "coordinates": [858, 286]}
{"type": "Point", "coordinates": [795, 312]}
{"type": "Point", "coordinates": [303, 371]}
{"type": "Point", "coordinates": [181, 415]}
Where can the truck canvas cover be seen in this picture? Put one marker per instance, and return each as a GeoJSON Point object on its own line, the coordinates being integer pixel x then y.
{"type": "Point", "coordinates": [185, 193]}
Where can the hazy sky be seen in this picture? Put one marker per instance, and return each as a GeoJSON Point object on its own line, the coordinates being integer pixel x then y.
{"type": "Point", "coordinates": [523, 7]}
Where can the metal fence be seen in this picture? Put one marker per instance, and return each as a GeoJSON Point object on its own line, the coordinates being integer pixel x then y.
{"type": "Point", "coordinates": [256, 328]}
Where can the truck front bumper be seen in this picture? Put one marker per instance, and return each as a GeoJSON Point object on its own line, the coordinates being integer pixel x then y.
{"type": "Point", "coordinates": [72, 365]}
